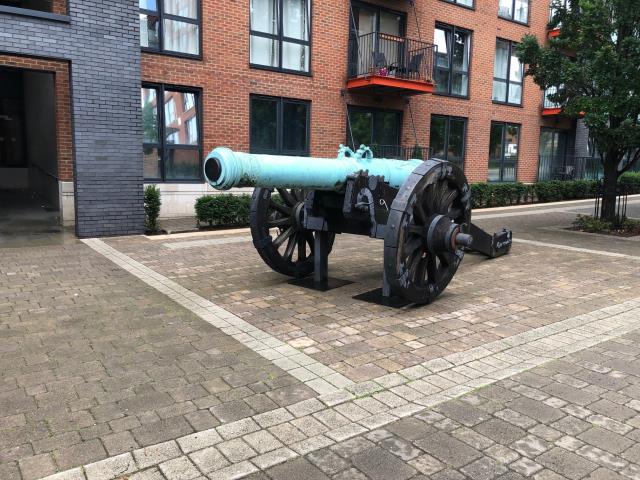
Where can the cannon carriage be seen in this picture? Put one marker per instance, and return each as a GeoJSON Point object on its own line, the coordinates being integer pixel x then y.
{"type": "Point", "coordinates": [421, 209]}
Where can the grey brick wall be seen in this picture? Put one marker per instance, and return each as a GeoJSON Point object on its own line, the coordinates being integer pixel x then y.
{"type": "Point", "coordinates": [582, 139]}
{"type": "Point", "coordinates": [102, 44]}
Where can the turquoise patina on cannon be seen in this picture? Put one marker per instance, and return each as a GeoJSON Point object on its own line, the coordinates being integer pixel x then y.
{"type": "Point", "coordinates": [421, 209]}
{"type": "Point", "coordinates": [228, 169]}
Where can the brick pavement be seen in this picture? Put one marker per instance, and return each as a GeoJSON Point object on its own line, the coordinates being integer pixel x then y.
{"type": "Point", "coordinates": [578, 417]}
{"type": "Point", "coordinates": [95, 363]}
{"type": "Point", "coordinates": [486, 301]}
{"type": "Point", "coordinates": [183, 373]}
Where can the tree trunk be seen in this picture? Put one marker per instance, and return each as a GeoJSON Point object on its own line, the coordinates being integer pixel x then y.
{"type": "Point", "coordinates": [610, 183]}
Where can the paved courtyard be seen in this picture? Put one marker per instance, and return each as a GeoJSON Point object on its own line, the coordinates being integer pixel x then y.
{"type": "Point", "coordinates": [185, 357]}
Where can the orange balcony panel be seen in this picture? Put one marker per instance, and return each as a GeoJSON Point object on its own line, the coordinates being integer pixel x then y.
{"type": "Point", "coordinates": [550, 112]}
{"type": "Point", "coordinates": [378, 84]}
{"type": "Point", "coordinates": [553, 33]}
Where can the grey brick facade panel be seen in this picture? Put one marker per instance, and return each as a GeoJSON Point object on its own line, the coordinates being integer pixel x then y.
{"type": "Point", "coordinates": [582, 139]}
{"type": "Point", "coordinates": [103, 47]}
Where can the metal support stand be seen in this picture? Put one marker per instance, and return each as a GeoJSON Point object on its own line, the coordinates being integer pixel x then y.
{"type": "Point", "coordinates": [383, 296]}
{"type": "Point", "coordinates": [491, 245]}
{"type": "Point", "coordinates": [320, 259]}
{"type": "Point", "coordinates": [320, 280]}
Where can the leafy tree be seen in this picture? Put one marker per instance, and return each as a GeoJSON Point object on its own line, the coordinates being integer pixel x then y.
{"type": "Point", "coordinates": [595, 63]}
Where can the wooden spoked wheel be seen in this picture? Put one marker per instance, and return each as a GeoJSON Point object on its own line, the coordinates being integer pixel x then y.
{"type": "Point", "coordinates": [278, 232]}
{"type": "Point", "coordinates": [436, 194]}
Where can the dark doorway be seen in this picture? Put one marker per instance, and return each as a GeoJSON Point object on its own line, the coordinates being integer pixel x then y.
{"type": "Point", "coordinates": [29, 187]}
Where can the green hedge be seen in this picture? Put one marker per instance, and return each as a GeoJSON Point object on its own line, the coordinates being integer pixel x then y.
{"type": "Point", "coordinates": [233, 210]}
{"type": "Point", "coordinates": [631, 180]}
{"type": "Point", "coordinates": [223, 210]}
{"type": "Point", "coordinates": [485, 195]}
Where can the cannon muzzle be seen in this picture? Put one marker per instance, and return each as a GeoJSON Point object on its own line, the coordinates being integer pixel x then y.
{"type": "Point", "coordinates": [225, 169]}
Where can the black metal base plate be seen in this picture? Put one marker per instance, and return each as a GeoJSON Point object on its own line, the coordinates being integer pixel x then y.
{"type": "Point", "coordinates": [375, 296]}
{"type": "Point", "coordinates": [330, 284]}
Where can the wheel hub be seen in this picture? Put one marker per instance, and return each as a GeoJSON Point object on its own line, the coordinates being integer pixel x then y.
{"type": "Point", "coordinates": [444, 235]}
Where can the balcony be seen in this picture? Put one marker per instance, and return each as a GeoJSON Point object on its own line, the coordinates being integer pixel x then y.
{"type": "Point", "coordinates": [553, 9]}
{"type": "Point", "coordinates": [550, 108]}
{"type": "Point", "coordinates": [387, 64]}
{"type": "Point", "coordinates": [567, 167]}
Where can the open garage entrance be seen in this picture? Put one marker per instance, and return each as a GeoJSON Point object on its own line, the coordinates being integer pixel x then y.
{"type": "Point", "coordinates": [32, 197]}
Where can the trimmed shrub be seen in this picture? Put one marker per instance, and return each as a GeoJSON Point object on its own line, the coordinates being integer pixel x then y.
{"type": "Point", "coordinates": [588, 223]}
{"type": "Point", "coordinates": [223, 210]}
{"type": "Point", "coordinates": [631, 181]}
{"type": "Point", "coordinates": [152, 203]}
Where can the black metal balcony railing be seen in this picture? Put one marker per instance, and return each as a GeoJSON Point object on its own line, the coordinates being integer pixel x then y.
{"type": "Point", "coordinates": [553, 8]}
{"type": "Point", "coordinates": [548, 103]}
{"type": "Point", "coordinates": [399, 152]}
{"type": "Point", "coordinates": [563, 167]}
{"type": "Point", "coordinates": [391, 56]}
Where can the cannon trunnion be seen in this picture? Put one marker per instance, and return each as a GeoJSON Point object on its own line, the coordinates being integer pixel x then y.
{"type": "Point", "coordinates": [422, 211]}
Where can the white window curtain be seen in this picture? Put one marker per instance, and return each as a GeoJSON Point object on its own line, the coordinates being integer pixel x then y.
{"type": "Point", "coordinates": [505, 8]}
{"type": "Point", "coordinates": [501, 71]}
{"type": "Point", "coordinates": [181, 8]}
{"type": "Point", "coordinates": [181, 37]}
{"type": "Point", "coordinates": [295, 19]}
{"type": "Point", "coordinates": [264, 16]}
{"type": "Point", "coordinates": [521, 13]}
{"type": "Point", "coordinates": [295, 24]}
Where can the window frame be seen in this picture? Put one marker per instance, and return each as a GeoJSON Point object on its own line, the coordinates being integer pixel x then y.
{"type": "Point", "coordinates": [447, 133]}
{"type": "Point", "coordinates": [505, 125]}
{"type": "Point", "coordinates": [280, 39]}
{"type": "Point", "coordinates": [279, 126]}
{"type": "Point", "coordinates": [33, 13]}
{"type": "Point", "coordinates": [378, 9]}
{"type": "Point", "coordinates": [161, 17]}
{"type": "Point", "coordinates": [456, 2]}
{"type": "Point", "coordinates": [365, 109]}
{"type": "Point", "coordinates": [453, 29]}
{"type": "Point", "coordinates": [513, 12]}
{"type": "Point", "coordinates": [161, 144]}
{"type": "Point", "coordinates": [507, 80]}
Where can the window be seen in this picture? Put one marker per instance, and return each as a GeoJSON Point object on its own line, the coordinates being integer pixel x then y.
{"type": "Point", "coordinates": [555, 6]}
{"type": "Point", "coordinates": [40, 5]}
{"type": "Point", "coordinates": [463, 3]}
{"type": "Point", "coordinates": [170, 26]}
{"type": "Point", "coordinates": [452, 60]}
{"type": "Point", "coordinates": [279, 125]}
{"type": "Point", "coordinates": [516, 10]}
{"type": "Point", "coordinates": [280, 34]}
{"type": "Point", "coordinates": [507, 74]}
{"type": "Point", "coordinates": [172, 146]}
{"type": "Point", "coordinates": [373, 127]}
{"type": "Point", "coordinates": [448, 138]}
{"type": "Point", "coordinates": [503, 151]}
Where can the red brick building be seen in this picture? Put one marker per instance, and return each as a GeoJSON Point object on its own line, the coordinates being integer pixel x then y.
{"type": "Point", "coordinates": [303, 76]}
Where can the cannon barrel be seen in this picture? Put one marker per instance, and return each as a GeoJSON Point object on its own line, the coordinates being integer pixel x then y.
{"type": "Point", "coordinates": [225, 169]}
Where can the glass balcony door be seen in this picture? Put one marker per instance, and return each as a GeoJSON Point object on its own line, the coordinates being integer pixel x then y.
{"type": "Point", "coordinates": [367, 53]}
{"type": "Point", "coordinates": [552, 154]}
